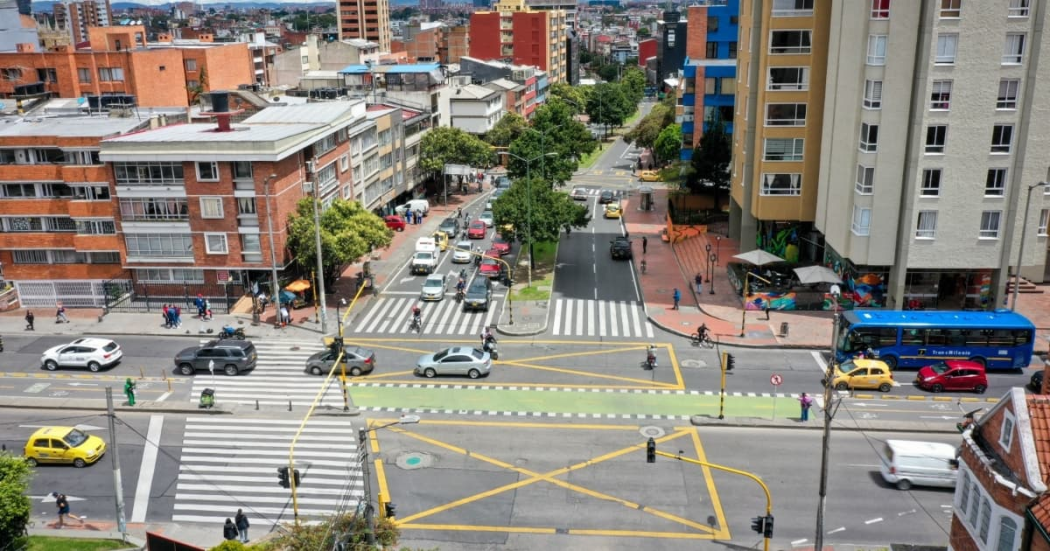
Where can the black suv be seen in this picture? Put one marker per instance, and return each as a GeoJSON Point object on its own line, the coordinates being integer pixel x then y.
{"type": "Point", "coordinates": [620, 248]}
{"type": "Point", "coordinates": [231, 357]}
{"type": "Point", "coordinates": [478, 295]}
{"type": "Point", "coordinates": [450, 226]}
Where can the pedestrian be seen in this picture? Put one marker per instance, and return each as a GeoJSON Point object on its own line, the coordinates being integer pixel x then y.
{"type": "Point", "coordinates": [229, 530]}
{"type": "Point", "coordinates": [699, 279]}
{"type": "Point", "coordinates": [805, 402]}
{"type": "Point", "coordinates": [178, 316]}
{"type": "Point", "coordinates": [60, 315]}
{"type": "Point", "coordinates": [207, 310]}
{"type": "Point", "coordinates": [645, 244]}
{"type": "Point", "coordinates": [286, 318]}
{"type": "Point", "coordinates": [62, 504]}
{"type": "Point", "coordinates": [677, 297]}
{"type": "Point", "coordinates": [29, 321]}
{"type": "Point", "coordinates": [241, 520]}
{"type": "Point", "coordinates": [459, 212]}
{"type": "Point", "coordinates": [199, 303]}
{"type": "Point", "coordinates": [419, 216]}
{"type": "Point", "coordinates": [129, 391]}
{"type": "Point", "coordinates": [164, 313]}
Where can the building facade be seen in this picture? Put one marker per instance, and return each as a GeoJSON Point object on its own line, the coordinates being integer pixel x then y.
{"type": "Point", "coordinates": [365, 19]}
{"type": "Point", "coordinates": [515, 33]}
{"type": "Point", "coordinates": [672, 36]}
{"type": "Point", "coordinates": [475, 109]}
{"type": "Point", "coordinates": [707, 85]}
{"type": "Point", "coordinates": [77, 17]}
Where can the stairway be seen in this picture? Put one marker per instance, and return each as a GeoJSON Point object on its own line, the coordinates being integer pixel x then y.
{"type": "Point", "coordinates": [1025, 286]}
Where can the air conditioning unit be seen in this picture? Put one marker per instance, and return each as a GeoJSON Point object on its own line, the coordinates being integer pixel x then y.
{"type": "Point", "coordinates": [308, 186]}
{"type": "Point", "coordinates": [310, 166]}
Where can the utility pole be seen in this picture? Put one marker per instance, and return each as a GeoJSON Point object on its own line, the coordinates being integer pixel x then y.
{"type": "Point", "coordinates": [114, 456]}
{"type": "Point", "coordinates": [826, 444]}
{"type": "Point", "coordinates": [362, 453]}
{"type": "Point", "coordinates": [320, 263]}
{"type": "Point", "coordinates": [275, 291]}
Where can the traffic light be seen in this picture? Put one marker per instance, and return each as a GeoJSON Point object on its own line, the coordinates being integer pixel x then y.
{"type": "Point", "coordinates": [337, 345]}
{"type": "Point", "coordinates": [282, 477]}
{"type": "Point", "coordinates": [650, 451]}
{"type": "Point", "coordinates": [767, 530]}
{"type": "Point", "coordinates": [758, 524]}
{"type": "Point", "coordinates": [390, 511]}
{"type": "Point", "coordinates": [362, 436]}
{"type": "Point", "coordinates": [730, 362]}
{"type": "Point", "coordinates": [295, 473]}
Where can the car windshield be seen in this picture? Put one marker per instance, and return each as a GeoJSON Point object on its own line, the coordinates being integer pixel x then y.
{"type": "Point", "coordinates": [75, 438]}
{"type": "Point", "coordinates": [433, 282]}
{"type": "Point", "coordinates": [498, 240]}
{"type": "Point", "coordinates": [939, 367]}
{"type": "Point", "coordinates": [423, 256]}
{"type": "Point", "coordinates": [441, 355]}
{"type": "Point", "coordinates": [488, 262]}
{"type": "Point", "coordinates": [847, 366]}
{"type": "Point", "coordinates": [110, 346]}
{"type": "Point", "coordinates": [476, 353]}
{"type": "Point", "coordinates": [464, 245]}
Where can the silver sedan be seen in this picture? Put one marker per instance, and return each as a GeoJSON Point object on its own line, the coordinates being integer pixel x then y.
{"type": "Point", "coordinates": [459, 360]}
{"type": "Point", "coordinates": [433, 287]}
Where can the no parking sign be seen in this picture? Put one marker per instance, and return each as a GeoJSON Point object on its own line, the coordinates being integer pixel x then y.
{"type": "Point", "coordinates": [775, 380]}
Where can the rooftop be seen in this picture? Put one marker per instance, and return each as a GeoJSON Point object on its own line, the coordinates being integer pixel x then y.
{"type": "Point", "coordinates": [1039, 412]}
{"type": "Point", "coordinates": [311, 113]}
{"type": "Point", "coordinates": [207, 132]}
{"type": "Point", "coordinates": [406, 68]}
{"type": "Point", "coordinates": [473, 91]}
{"type": "Point", "coordinates": [98, 126]}
{"type": "Point", "coordinates": [505, 84]}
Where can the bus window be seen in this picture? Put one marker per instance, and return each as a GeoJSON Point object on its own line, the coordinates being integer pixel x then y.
{"type": "Point", "coordinates": [957, 337]}
{"type": "Point", "coordinates": [936, 337]}
{"type": "Point", "coordinates": [976, 338]}
{"type": "Point", "coordinates": [1022, 336]}
{"type": "Point", "coordinates": [1001, 337]}
{"type": "Point", "coordinates": [872, 337]}
{"type": "Point", "coordinates": [913, 337]}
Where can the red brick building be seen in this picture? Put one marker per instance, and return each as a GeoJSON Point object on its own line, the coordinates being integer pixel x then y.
{"type": "Point", "coordinates": [517, 34]}
{"type": "Point", "coordinates": [646, 49]}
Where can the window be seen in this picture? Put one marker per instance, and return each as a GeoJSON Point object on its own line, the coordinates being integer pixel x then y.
{"type": "Point", "coordinates": [1014, 51]}
{"type": "Point", "coordinates": [786, 114]}
{"type": "Point", "coordinates": [869, 137]}
{"type": "Point", "coordinates": [324, 145]}
{"type": "Point", "coordinates": [242, 170]}
{"type": "Point", "coordinates": [931, 182]}
{"type": "Point", "coordinates": [193, 83]}
{"type": "Point", "coordinates": [861, 220]}
{"type": "Point", "coordinates": [788, 78]}
{"type": "Point", "coordinates": [865, 179]}
{"type": "Point", "coordinates": [246, 205]}
{"type": "Point", "coordinates": [1002, 138]}
{"type": "Point", "coordinates": [732, 49]}
{"type": "Point", "coordinates": [211, 207]}
{"type": "Point", "coordinates": [146, 209]}
{"type": "Point", "coordinates": [191, 64]}
{"type": "Point", "coordinates": [105, 257]}
{"type": "Point", "coordinates": [111, 74]}
{"type": "Point", "coordinates": [215, 243]}
{"type": "Point", "coordinates": [207, 171]}
{"type": "Point", "coordinates": [946, 45]}
{"type": "Point", "coordinates": [47, 74]}
{"type": "Point", "coordinates": [880, 9]}
{"type": "Point", "coordinates": [964, 495]}
{"type": "Point", "coordinates": [1018, 8]}
{"type": "Point", "coordinates": [84, 75]}
{"type": "Point", "coordinates": [155, 245]}
{"type": "Point", "coordinates": [712, 50]}
{"type": "Point", "coordinates": [781, 184]}
{"type": "Point", "coordinates": [68, 257]}
{"type": "Point", "coordinates": [877, 49]}
{"type": "Point", "coordinates": [1044, 220]}
{"type": "Point", "coordinates": [712, 24]}
{"type": "Point", "coordinates": [873, 94]}
{"type": "Point", "coordinates": [30, 257]}
{"type": "Point", "coordinates": [792, 8]}
{"type": "Point", "coordinates": [250, 243]}
{"type": "Point", "coordinates": [12, 74]}
{"type": "Point", "coordinates": [1007, 532]}
{"type": "Point", "coordinates": [935, 138]}
{"type": "Point", "coordinates": [790, 42]}
{"type": "Point", "coordinates": [927, 226]}
{"type": "Point", "coordinates": [995, 184]}
{"type": "Point", "coordinates": [148, 173]}
{"type": "Point", "coordinates": [1008, 90]}
{"type": "Point", "coordinates": [941, 95]}
{"type": "Point", "coordinates": [990, 229]}
{"type": "Point", "coordinates": [344, 163]}
{"type": "Point", "coordinates": [986, 518]}
{"type": "Point", "coordinates": [96, 227]}
{"type": "Point", "coordinates": [950, 8]}
{"type": "Point", "coordinates": [784, 149]}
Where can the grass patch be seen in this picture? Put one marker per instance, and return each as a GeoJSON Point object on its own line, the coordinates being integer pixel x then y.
{"type": "Point", "coordinates": [634, 117]}
{"type": "Point", "coordinates": [542, 275]}
{"type": "Point", "coordinates": [48, 543]}
{"type": "Point", "coordinates": [535, 292]}
{"type": "Point", "coordinates": [588, 160]}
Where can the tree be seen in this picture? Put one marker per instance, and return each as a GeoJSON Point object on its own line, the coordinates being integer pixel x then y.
{"type": "Point", "coordinates": [506, 130]}
{"type": "Point", "coordinates": [643, 32]}
{"type": "Point", "coordinates": [348, 232]}
{"type": "Point", "coordinates": [450, 145]}
{"type": "Point", "coordinates": [712, 157]}
{"type": "Point", "coordinates": [348, 528]}
{"type": "Point", "coordinates": [606, 105]}
{"type": "Point", "coordinates": [15, 507]}
{"type": "Point", "coordinates": [633, 81]}
{"type": "Point", "coordinates": [668, 143]}
{"type": "Point", "coordinates": [574, 96]}
{"type": "Point", "coordinates": [609, 72]}
{"type": "Point", "coordinates": [644, 134]}
{"type": "Point", "coordinates": [536, 212]}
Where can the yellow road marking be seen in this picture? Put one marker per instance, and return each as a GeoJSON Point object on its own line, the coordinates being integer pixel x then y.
{"type": "Point", "coordinates": [470, 383]}
{"type": "Point", "coordinates": [567, 371]}
{"type": "Point", "coordinates": [642, 534]}
{"type": "Point", "coordinates": [381, 476]}
{"type": "Point", "coordinates": [584, 353]}
{"type": "Point", "coordinates": [676, 368]}
{"type": "Point", "coordinates": [716, 502]}
{"type": "Point", "coordinates": [506, 340]}
{"type": "Point", "coordinates": [383, 375]}
{"type": "Point", "coordinates": [527, 425]}
{"type": "Point", "coordinates": [466, 528]}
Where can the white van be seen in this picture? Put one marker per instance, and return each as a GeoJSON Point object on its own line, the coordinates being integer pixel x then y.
{"type": "Point", "coordinates": [906, 463]}
{"type": "Point", "coordinates": [422, 205]}
{"type": "Point", "coordinates": [426, 245]}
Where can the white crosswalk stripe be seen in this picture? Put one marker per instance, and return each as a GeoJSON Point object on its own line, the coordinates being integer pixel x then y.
{"type": "Point", "coordinates": [601, 318]}
{"type": "Point", "coordinates": [230, 463]}
{"type": "Point", "coordinates": [392, 314]}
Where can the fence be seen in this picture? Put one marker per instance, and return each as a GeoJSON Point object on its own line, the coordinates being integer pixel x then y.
{"type": "Point", "coordinates": [125, 295]}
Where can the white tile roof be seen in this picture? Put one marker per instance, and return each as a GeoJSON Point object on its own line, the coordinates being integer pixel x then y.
{"type": "Point", "coordinates": [96, 127]}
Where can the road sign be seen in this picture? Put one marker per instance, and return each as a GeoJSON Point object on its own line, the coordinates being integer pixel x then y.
{"type": "Point", "coordinates": [775, 380]}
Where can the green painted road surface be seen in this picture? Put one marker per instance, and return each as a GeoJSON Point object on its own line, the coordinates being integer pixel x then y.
{"type": "Point", "coordinates": [570, 402]}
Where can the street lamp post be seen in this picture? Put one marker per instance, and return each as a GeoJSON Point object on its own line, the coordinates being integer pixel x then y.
{"type": "Point", "coordinates": [1020, 250]}
{"type": "Point", "coordinates": [338, 319]}
{"type": "Point", "coordinates": [275, 295]}
{"type": "Point", "coordinates": [322, 307]}
{"type": "Point", "coordinates": [708, 249]}
{"type": "Point", "coordinates": [711, 272]}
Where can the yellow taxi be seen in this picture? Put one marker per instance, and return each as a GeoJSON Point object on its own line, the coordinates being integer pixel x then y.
{"type": "Point", "coordinates": [862, 374]}
{"type": "Point", "coordinates": [613, 210]}
{"type": "Point", "coordinates": [64, 445]}
{"type": "Point", "coordinates": [441, 240]}
{"type": "Point", "coordinates": [649, 176]}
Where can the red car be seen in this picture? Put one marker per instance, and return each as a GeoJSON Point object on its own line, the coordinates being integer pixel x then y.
{"type": "Point", "coordinates": [953, 375]}
{"type": "Point", "coordinates": [395, 223]}
{"type": "Point", "coordinates": [477, 230]}
{"type": "Point", "coordinates": [501, 245]}
{"type": "Point", "coordinates": [490, 267]}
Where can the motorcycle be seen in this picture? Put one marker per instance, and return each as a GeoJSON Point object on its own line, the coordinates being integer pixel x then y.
{"type": "Point", "coordinates": [490, 347]}
{"type": "Point", "coordinates": [229, 332]}
{"type": "Point", "coordinates": [650, 359]}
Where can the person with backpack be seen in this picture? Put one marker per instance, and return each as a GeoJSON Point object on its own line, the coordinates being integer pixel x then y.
{"type": "Point", "coordinates": [241, 521]}
{"type": "Point", "coordinates": [806, 402]}
{"type": "Point", "coordinates": [229, 530]}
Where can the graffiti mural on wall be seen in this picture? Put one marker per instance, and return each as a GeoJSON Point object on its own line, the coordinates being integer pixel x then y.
{"type": "Point", "coordinates": [782, 242]}
{"type": "Point", "coordinates": [864, 290]}
{"type": "Point", "coordinates": [771, 301]}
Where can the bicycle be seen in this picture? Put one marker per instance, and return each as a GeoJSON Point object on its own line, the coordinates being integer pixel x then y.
{"type": "Point", "coordinates": [702, 341]}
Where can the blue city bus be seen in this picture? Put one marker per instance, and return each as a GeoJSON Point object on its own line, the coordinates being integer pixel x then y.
{"type": "Point", "coordinates": [916, 338]}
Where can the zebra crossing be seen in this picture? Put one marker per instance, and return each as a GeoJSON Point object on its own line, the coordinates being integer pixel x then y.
{"type": "Point", "coordinates": [230, 463]}
{"type": "Point", "coordinates": [600, 318]}
{"type": "Point", "coordinates": [446, 317]}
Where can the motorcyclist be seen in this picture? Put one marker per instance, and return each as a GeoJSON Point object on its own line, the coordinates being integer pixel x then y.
{"type": "Point", "coordinates": [416, 316]}
{"type": "Point", "coordinates": [487, 338]}
{"type": "Point", "coordinates": [460, 286]}
{"type": "Point", "coordinates": [650, 356]}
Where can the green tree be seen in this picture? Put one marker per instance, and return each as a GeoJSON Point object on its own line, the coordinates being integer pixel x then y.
{"type": "Point", "coordinates": [668, 143]}
{"type": "Point", "coordinates": [712, 158]}
{"type": "Point", "coordinates": [607, 105]}
{"type": "Point", "coordinates": [574, 96]}
{"type": "Point", "coordinates": [506, 130]}
{"type": "Point", "coordinates": [15, 508]}
{"type": "Point", "coordinates": [350, 529]}
{"type": "Point", "coordinates": [644, 134]}
{"type": "Point", "coordinates": [609, 72]}
{"type": "Point", "coordinates": [450, 145]}
{"type": "Point", "coordinates": [348, 232]}
{"type": "Point", "coordinates": [536, 212]}
{"type": "Point", "coordinates": [633, 81]}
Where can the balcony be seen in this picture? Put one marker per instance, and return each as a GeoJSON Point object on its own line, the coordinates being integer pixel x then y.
{"type": "Point", "coordinates": [97, 243]}
{"type": "Point", "coordinates": [40, 240]}
{"type": "Point", "coordinates": [90, 209]}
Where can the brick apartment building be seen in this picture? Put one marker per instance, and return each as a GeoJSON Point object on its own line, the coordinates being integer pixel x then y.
{"type": "Point", "coordinates": [76, 18]}
{"type": "Point", "coordinates": [425, 42]}
{"type": "Point", "coordinates": [516, 33]}
{"type": "Point", "coordinates": [120, 61]}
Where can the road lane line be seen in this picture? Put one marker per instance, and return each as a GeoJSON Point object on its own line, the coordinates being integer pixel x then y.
{"type": "Point", "coordinates": [557, 318]}
{"type": "Point", "coordinates": [468, 318]}
{"type": "Point", "coordinates": [601, 316]}
{"type": "Point", "coordinates": [390, 321]}
{"type": "Point", "coordinates": [163, 396]}
{"type": "Point", "coordinates": [367, 319]}
{"type": "Point", "coordinates": [625, 321]}
{"type": "Point", "coordinates": [579, 316]}
{"type": "Point", "coordinates": [819, 358]}
{"type": "Point", "coordinates": [149, 463]}
{"type": "Point", "coordinates": [637, 323]}
{"type": "Point", "coordinates": [568, 316]}
{"type": "Point", "coordinates": [799, 542]}
{"type": "Point", "coordinates": [444, 320]}
{"type": "Point", "coordinates": [837, 530]}
{"type": "Point", "coordinates": [873, 521]}
{"type": "Point", "coordinates": [488, 316]}
{"type": "Point", "coordinates": [590, 318]}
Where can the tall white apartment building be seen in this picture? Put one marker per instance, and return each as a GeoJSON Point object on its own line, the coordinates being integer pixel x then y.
{"type": "Point", "coordinates": [934, 128]}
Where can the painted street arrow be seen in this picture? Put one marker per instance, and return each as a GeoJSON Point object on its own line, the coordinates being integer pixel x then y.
{"type": "Point", "coordinates": [50, 498]}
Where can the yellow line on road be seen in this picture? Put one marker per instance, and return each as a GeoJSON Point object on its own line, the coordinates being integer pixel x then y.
{"type": "Point", "coordinates": [642, 534]}
{"type": "Point", "coordinates": [381, 477]}
{"type": "Point", "coordinates": [469, 528]}
{"type": "Point", "coordinates": [588, 374]}
{"type": "Point", "coordinates": [527, 425]}
{"type": "Point", "coordinates": [383, 375]}
{"type": "Point", "coordinates": [716, 502]}
{"type": "Point", "coordinates": [585, 353]}
{"type": "Point", "coordinates": [471, 383]}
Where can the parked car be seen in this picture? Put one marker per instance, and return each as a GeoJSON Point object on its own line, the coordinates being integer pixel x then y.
{"type": "Point", "coordinates": [433, 287]}
{"type": "Point", "coordinates": [503, 182]}
{"type": "Point", "coordinates": [862, 374]}
{"type": "Point", "coordinates": [620, 248]}
{"type": "Point", "coordinates": [501, 245]}
{"type": "Point", "coordinates": [613, 210]}
{"type": "Point", "coordinates": [477, 230]}
{"type": "Point", "coordinates": [88, 352]}
{"type": "Point", "coordinates": [458, 360]}
{"type": "Point", "coordinates": [649, 176]}
{"type": "Point", "coordinates": [487, 218]}
{"type": "Point", "coordinates": [958, 375]}
{"type": "Point", "coordinates": [358, 361]}
{"type": "Point", "coordinates": [450, 226]}
{"type": "Point", "coordinates": [422, 205]}
{"type": "Point", "coordinates": [579, 194]}
{"type": "Point", "coordinates": [478, 295]}
{"type": "Point", "coordinates": [231, 357]}
{"type": "Point", "coordinates": [394, 222]}
{"type": "Point", "coordinates": [63, 445]}
{"type": "Point", "coordinates": [490, 267]}
{"type": "Point", "coordinates": [606, 196]}
{"type": "Point", "coordinates": [461, 254]}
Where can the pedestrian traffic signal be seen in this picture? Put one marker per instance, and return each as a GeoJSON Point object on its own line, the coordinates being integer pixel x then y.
{"type": "Point", "coordinates": [650, 451]}
{"type": "Point", "coordinates": [282, 477]}
{"type": "Point", "coordinates": [730, 362]}
{"type": "Point", "coordinates": [767, 530]}
{"type": "Point", "coordinates": [390, 511]}
{"type": "Point", "coordinates": [295, 473]}
{"type": "Point", "coordinates": [362, 436]}
{"type": "Point", "coordinates": [758, 524]}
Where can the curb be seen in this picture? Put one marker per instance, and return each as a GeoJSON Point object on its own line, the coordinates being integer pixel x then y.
{"type": "Point", "coordinates": [100, 405]}
{"type": "Point", "coordinates": [543, 328]}
{"type": "Point", "coordinates": [133, 542]}
{"type": "Point", "coordinates": [793, 424]}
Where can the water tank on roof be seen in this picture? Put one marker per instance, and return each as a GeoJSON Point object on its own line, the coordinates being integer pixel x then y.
{"type": "Point", "coordinates": [220, 101]}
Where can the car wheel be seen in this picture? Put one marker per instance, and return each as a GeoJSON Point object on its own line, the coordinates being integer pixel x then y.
{"type": "Point", "coordinates": [981, 361]}
{"type": "Point", "coordinates": [429, 373]}
{"type": "Point", "coordinates": [473, 374]}
{"type": "Point", "coordinates": [979, 389]}
{"type": "Point", "coordinates": [51, 365]}
{"type": "Point", "coordinates": [315, 370]}
{"type": "Point", "coordinates": [230, 370]}
{"type": "Point", "coordinates": [937, 388]}
{"type": "Point", "coordinates": [885, 387]}
{"type": "Point", "coordinates": [355, 371]}
{"type": "Point", "coordinates": [890, 361]}
{"type": "Point", "coordinates": [842, 386]}
{"type": "Point", "coordinates": [186, 369]}
{"type": "Point", "coordinates": [903, 484]}
{"type": "Point", "coordinates": [31, 461]}
{"type": "Point", "coordinates": [79, 463]}
{"type": "Point", "coordinates": [94, 367]}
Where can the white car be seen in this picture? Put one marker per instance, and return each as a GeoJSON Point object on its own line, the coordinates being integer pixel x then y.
{"type": "Point", "coordinates": [461, 254]}
{"type": "Point", "coordinates": [486, 217]}
{"type": "Point", "coordinates": [433, 287]}
{"type": "Point", "coordinates": [91, 353]}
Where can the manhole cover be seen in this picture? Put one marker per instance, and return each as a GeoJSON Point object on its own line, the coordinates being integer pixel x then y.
{"type": "Point", "coordinates": [414, 460]}
{"type": "Point", "coordinates": [652, 432]}
{"type": "Point", "coordinates": [692, 363]}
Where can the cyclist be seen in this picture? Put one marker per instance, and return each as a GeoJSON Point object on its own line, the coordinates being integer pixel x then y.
{"type": "Point", "coordinates": [702, 333]}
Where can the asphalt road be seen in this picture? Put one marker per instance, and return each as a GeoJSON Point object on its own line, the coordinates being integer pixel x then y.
{"type": "Point", "coordinates": [585, 270]}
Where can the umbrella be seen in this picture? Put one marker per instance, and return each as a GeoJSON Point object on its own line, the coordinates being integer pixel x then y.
{"type": "Point", "coordinates": [758, 257]}
{"type": "Point", "coordinates": [287, 297]}
{"type": "Point", "coordinates": [298, 286]}
{"type": "Point", "coordinates": [817, 274]}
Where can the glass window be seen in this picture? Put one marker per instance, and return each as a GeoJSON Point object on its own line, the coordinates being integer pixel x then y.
{"type": "Point", "coordinates": [211, 207]}
{"type": "Point", "coordinates": [208, 171]}
{"type": "Point", "coordinates": [986, 516]}
{"type": "Point", "coordinates": [712, 24]}
{"type": "Point", "coordinates": [990, 224]}
{"type": "Point", "coordinates": [786, 114]}
{"type": "Point", "coordinates": [191, 64]}
{"type": "Point", "coordinates": [1007, 533]}
{"type": "Point", "coordinates": [153, 245]}
{"type": "Point", "coordinates": [790, 42]}
{"type": "Point", "coordinates": [880, 9]}
{"type": "Point", "coordinates": [792, 8]}
{"type": "Point", "coordinates": [712, 50]}
{"type": "Point", "coordinates": [927, 226]}
{"type": "Point", "coordinates": [861, 220]}
{"type": "Point", "coordinates": [995, 183]}
{"type": "Point", "coordinates": [941, 95]}
{"type": "Point", "coordinates": [148, 173]}
{"type": "Point", "coordinates": [869, 137]}
{"type": "Point", "coordinates": [865, 179]}
{"type": "Point", "coordinates": [788, 78]}
{"type": "Point", "coordinates": [242, 170]}
{"type": "Point", "coordinates": [1002, 138]}
{"type": "Point", "coordinates": [1018, 8]}
{"type": "Point", "coordinates": [951, 8]}
{"type": "Point", "coordinates": [935, 138]}
{"type": "Point", "coordinates": [84, 75]}
{"type": "Point", "coordinates": [1009, 89]}
{"type": "Point", "coordinates": [29, 257]}
{"type": "Point", "coordinates": [1044, 219]}
{"type": "Point", "coordinates": [246, 205]}
{"type": "Point", "coordinates": [931, 182]}
{"type": "Point", "coordinates": [781, 184]}
{"type": "Point", "coordinates": [215, 243]}
{"type": "Point", "coordinates": [250, 243]}
{"type": "Point", "coordinates": [946, 46]}
{"type": "Point", "coordinates": [783, 149]}
{"type": "Point", "coordinates": [877, 49]}
{"type": "Point", "coordinates": [873, 94]}
{"type": "Point", "coordinates": [1013, 53]}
